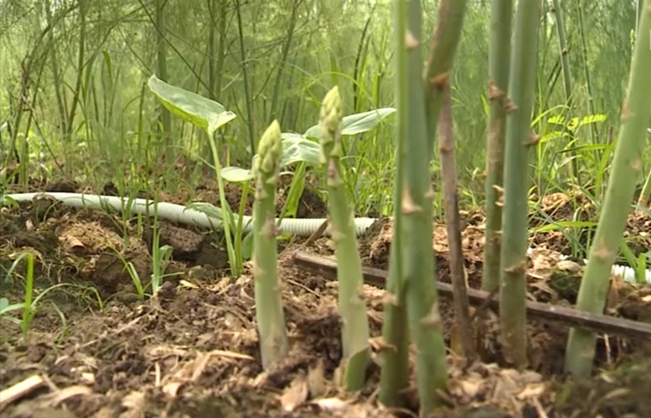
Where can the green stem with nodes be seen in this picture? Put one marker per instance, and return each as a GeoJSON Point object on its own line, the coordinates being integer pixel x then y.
{"type": "Point", "coordinates": [441, 58]}
{"type": "Point", "coordinates": [627, 167]}
{"type": "Point", "coordinates": [268, 298]}
{"type": "Point", "coordinates": [498, 73]}
{"type": "Point", "coordinates": [355, 330]}
{"type": "Point", "coordinates": [438, 101]}
{"type": "Point", "coordinates": [519, 138]}
{"type": "Point", "coordinates": [416, 205]}
{"type": "Point", "coordinates": [395, 332]}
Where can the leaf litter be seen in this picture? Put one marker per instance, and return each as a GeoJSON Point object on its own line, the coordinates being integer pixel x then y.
{"type": "Point", "coordinates": [192, 350]}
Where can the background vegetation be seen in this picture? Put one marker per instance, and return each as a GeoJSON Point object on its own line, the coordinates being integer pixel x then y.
{"type": "Point", "coordinates": [74, 78]}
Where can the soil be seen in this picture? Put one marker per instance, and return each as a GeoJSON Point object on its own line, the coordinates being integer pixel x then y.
{"type": "Point", "coordinates": [192, 349]}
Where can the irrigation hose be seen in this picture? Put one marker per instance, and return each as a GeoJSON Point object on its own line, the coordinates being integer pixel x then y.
{"type": "Point", "coordinates": [189, 216]}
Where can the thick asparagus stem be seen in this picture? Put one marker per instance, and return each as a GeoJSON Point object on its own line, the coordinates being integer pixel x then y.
{"type": "Point", "coordinates": [416, 206]}
{"type": "Point", "coordinates": [627, 167]}
{"type": "Point", "coordinates": [440, 60]}
{"type": "Point", "coordinates": [513, 319]}
{"type": "Point", "coordinates": [395, 331]}
{"type": "Point", "coordinates": [268, 298]}
{"type": "Point", "coordinates": [498, 60]}
{"type": "Point", "coordinates": [355, 332]}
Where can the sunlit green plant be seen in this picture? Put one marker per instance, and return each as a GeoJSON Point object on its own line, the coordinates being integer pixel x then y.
{"type": "Point", "coordinates": [31, 304]}
{"type": "Point", "coordinates": [305, 149]}
{"type": "Point", "coordinates": [352, 307]}
{"type": "Point", "coordinates": [209, 116]}
{"type": "Point", "coordinates": [268, 295]}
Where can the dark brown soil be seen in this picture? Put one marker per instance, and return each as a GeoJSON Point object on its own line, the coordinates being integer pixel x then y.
{"type": "Point", "coordinates": [192, 350]}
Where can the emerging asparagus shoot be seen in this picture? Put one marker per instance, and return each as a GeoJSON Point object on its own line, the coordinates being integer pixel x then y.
{"type": "Point", "coordinates": [352, 308]}
{"type": "Point", "coordinates": [268, 299]}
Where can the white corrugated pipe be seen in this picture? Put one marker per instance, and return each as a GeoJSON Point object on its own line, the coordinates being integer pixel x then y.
{"type": "Point", "coordinates": [178, 213]}
{"type": "Point", "coordinates": [187, 216]}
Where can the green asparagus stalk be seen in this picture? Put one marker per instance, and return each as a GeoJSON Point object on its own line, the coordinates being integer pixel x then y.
{"type": "Point", "coordinates": [627, 167]}
{"type": "Point", "coordinates": [268, 299]}
{"type": "Point", "coordinates": [440, 60]}
{"type": "Point", "coordinates": [498, 57]}
{"type": "Point", "coordinates": [355, 331]}
{"type": "Point", "coordinates": [516, 183]}
{"type": "Point", "coordinates": [395, 331]}
{"type": "Point", "coordinates": [416, 206]}
{"type": "Point", "coordinates": [438, 105]}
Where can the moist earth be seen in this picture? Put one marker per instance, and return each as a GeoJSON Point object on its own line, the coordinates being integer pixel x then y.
{"type": "Point", "coordinates": [192, 349]}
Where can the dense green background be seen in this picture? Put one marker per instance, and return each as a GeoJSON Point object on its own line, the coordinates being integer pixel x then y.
{"type": "Point", "coordinates": [92, 59]}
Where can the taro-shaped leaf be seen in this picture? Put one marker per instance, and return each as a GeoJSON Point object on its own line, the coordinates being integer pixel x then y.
{"type": "Point", "coordinates": [306, 148]}
{"type": "Point", "coordinates": [356, 123]}
{"type": "Point", "coordinates": [297, 148]}
{"type": "Point", "coordinates": [236, 174]}
{"type": "Point", "coordinates": [204, 113]}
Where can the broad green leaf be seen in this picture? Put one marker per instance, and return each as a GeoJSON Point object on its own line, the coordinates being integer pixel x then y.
{"type": "Point", "coordinates": [204, 113]}
{"type": "Point", "coordinates": [236, 174]}
{"type": "Point", "coordinates": [363, 122]}
{"type": "Point", "coordinates": [297, 148]}
{"type": "Point", "coordinates": [356, 123]}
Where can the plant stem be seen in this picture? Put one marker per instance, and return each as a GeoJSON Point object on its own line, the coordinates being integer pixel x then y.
{"type": "Point", "coordinates": [453, 226]}
{"type": "Point", "coordinates": [245, 74]}
{"type": "Point", "coordinates": [268, 297]}
{"type": "Point", "coordinates": [416, 206]}
{"type": "Point", "coordinates": [165, 118]}
{"type": "Point", "coordinates": [355, 331]}
{"type": "Point", "coordinates": [226, 210]}
{"type": "Point", "coordinates": [586, 71]}
{"type": "Point", "coordinates": [499, 56]}
{"type": "Point", "coordinates": [441, 58]}
{"type": "Point", "coordinates": [513, 319]}
{"type": "Point", "coordinates": [395, 331]}
{"type": "Point", "coordinates": [437, 82]}
{"type": "Point", "coordinates": [627, 166]}
{"type": "Point", "coordinates": [567, 81]}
